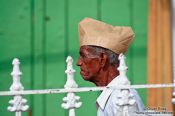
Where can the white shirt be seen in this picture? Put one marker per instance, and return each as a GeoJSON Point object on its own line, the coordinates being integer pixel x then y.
{"type": "Point", "coordinates": [106, 102]}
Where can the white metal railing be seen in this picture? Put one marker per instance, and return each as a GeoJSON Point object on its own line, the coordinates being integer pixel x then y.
{"type": "Point", "coordinates": [71, 101]}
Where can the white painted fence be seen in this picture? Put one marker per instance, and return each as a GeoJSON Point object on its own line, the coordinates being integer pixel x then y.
{"type": "Point", "coordinates": [71, 101]}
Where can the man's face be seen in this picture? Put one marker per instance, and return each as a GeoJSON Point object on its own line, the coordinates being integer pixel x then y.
{"type": "Point", "coordinates": [89, 63]}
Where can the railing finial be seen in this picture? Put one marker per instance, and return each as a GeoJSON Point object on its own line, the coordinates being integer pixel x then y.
{"type": "Point", "coordinates": [71, 101]}
{"type": "Point", "coordinates": [17, 103]}
{"type": "Point", "coordinates": [125, 98]}
{"type": "Point", "coordinates": [70, 83]}
{"type": "Point", "coordinates": [16, 73]}
{"type": "Point", "coordinates": [122, 70]}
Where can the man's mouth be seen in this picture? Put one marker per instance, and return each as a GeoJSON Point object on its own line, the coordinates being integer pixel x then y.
{"type": "Point", "coordinates": [83, 73]}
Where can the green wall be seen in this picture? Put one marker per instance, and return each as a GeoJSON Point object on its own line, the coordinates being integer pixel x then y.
{"type": "Point", "coordinates": [41, 33]}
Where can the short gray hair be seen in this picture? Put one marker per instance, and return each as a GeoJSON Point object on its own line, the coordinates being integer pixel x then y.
{"type": "Point", "coordinates": [112, 56]}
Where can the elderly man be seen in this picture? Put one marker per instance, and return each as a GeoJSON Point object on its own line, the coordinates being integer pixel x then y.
{"type": "Point", "coordinates": [100, 46]}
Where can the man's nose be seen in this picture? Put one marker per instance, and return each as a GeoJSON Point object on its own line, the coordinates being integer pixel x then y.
{"type": "Point", "coordinates": [79, 62]}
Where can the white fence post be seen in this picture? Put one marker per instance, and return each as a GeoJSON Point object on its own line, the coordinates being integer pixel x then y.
{"type": "Point", "coordinates": [17, 103]}
{"type": "Point", "coordinates": [71, 100]}
{"type": "Point", "coordinates": [125, 98]}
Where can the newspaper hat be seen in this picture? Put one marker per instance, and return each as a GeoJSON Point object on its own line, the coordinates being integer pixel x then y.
{"type": "Point", "coordinates": [97, 33]}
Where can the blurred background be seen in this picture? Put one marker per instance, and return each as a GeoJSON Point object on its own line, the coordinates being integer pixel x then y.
{"type": "Point", "coordinates": [42, 33]}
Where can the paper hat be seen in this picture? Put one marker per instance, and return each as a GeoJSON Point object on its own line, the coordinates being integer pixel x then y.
{"type": "Point", "coordinates": [97, 33]}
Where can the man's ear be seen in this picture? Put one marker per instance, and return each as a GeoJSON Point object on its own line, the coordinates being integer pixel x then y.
{"type": "Point", "coordinates": [103, 59]}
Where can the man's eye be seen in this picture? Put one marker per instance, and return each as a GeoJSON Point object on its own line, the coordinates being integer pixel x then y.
{"type": "Point", "coordinates": [82, 55]}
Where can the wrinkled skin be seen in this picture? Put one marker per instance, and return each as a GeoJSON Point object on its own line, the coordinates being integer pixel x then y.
{"type": "Point", "coordinates": [89, 64]}
{"type": "Point", "coordinates": [95, 68]}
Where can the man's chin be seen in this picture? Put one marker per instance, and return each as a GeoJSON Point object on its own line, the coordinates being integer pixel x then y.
{"type": "Point", "coordinates": [86, 78]}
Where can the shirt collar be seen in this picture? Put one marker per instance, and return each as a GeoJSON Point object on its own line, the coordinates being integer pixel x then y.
{"type": "Point", "coordinates": [103, 98]}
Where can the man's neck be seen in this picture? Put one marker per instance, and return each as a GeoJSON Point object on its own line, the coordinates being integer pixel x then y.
{"type": "Point", "coordinates": [105, 76]}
